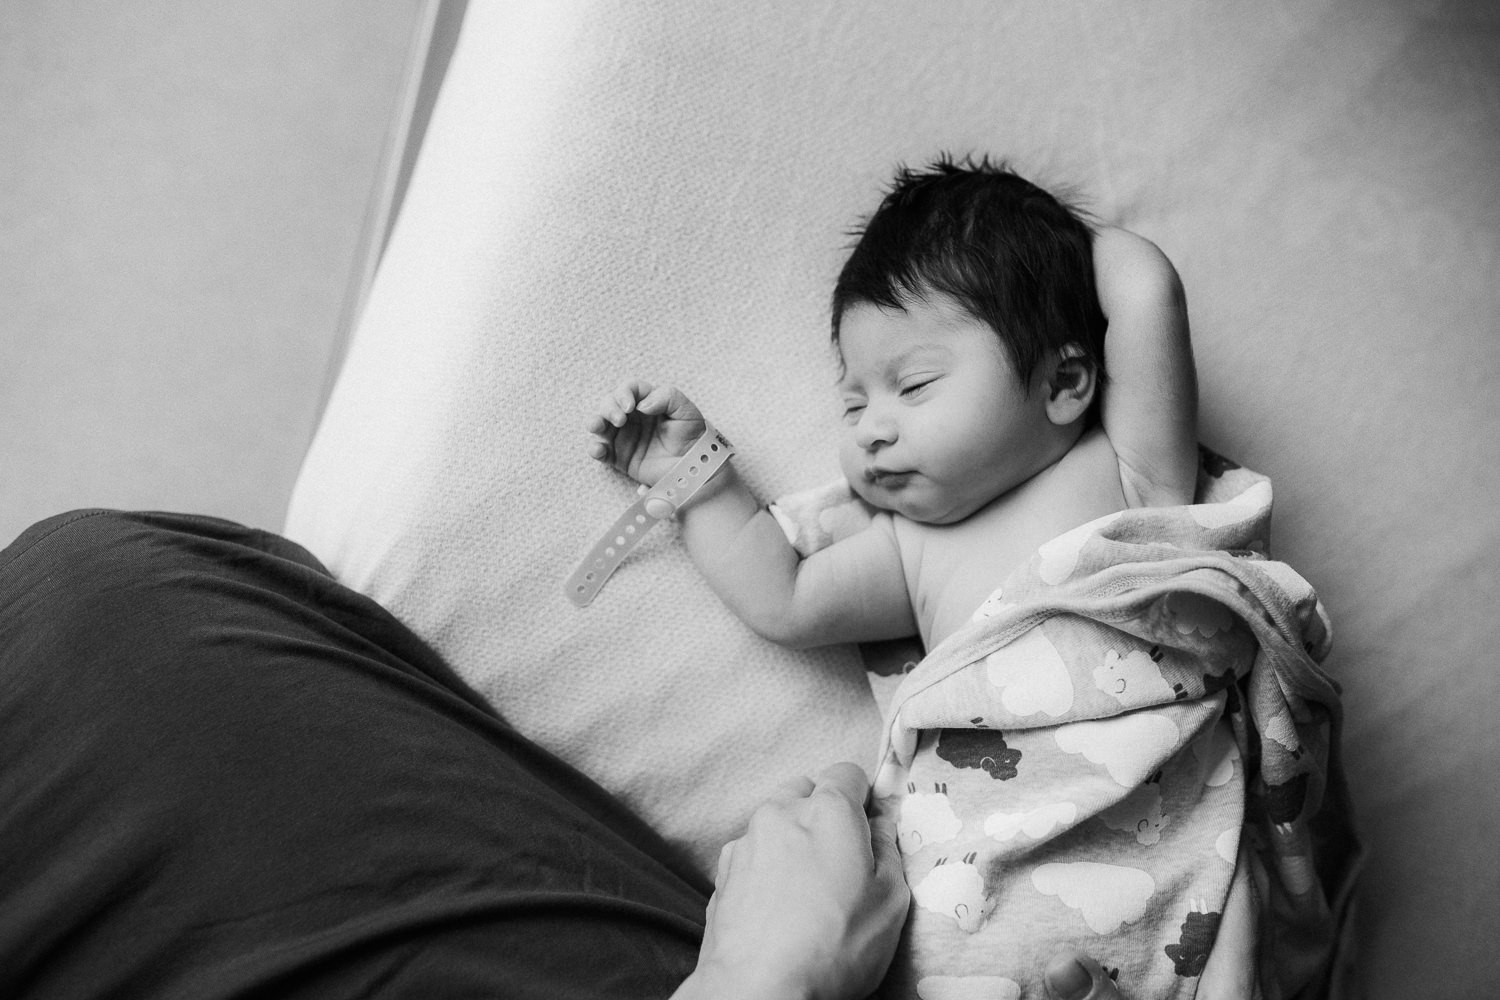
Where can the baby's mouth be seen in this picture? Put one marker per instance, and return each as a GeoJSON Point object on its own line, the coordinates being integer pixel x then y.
{"type": "Point", "coordinates": [888, 478]}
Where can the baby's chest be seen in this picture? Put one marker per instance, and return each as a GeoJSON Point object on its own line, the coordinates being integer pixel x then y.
{"type": "Point", "coordinates": [957, 571]}
{"type": "Point", "coordinates": [952, 569]}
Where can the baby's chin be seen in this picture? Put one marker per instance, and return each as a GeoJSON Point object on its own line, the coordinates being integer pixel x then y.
{"type": "Point", "coordinates": [862, 490]}
{"type": "Point", "coordinates": [912, 511]}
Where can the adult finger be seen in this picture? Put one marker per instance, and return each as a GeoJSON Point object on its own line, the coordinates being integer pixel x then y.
{"type": "Point", "coordinates": [890, 875]}
{"type": "Point", "coordinates": [726, 858]}
{"type": "Point", "coordinates": [1074, 976]}
{"type": "Point", "coordinates": [845, 779]}
{"type": "Point", "coordinates": [883, 842]}
{"type": "Point", "coordinates": [791, 789]}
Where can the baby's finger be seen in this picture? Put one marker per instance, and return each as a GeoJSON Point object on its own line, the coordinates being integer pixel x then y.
{"type": "Point", "coordinates": [621, 405]}
{"type": "Point", "coordinates": [628, 396]}
{"type": "Point", "coordinates": [662, 399]}
{"type": "Point", "coordinates": [612, 411]}
{"type": "Point", "coordinates": [599, 449]}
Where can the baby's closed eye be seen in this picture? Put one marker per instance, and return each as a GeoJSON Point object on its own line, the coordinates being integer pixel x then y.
{"type": "Point", "coordinates": [913, 387]}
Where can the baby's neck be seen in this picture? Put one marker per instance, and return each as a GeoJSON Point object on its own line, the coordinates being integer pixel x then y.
{"type": "Point", "coordinates": [952, 569]}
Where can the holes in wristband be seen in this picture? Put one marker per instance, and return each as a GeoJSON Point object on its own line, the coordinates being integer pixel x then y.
{"type": "Point", "coordinates": [614, 548]}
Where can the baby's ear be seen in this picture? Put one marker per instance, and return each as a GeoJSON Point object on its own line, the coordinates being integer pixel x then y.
{"type": "Point", "coordinates": [1071, 383]}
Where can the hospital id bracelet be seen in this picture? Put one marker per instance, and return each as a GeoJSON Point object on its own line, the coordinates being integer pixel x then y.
{"type": "Point", "coordinates": [708, 455]}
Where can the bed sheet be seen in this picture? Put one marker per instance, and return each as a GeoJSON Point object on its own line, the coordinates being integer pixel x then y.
{"type": "Point", "coordinates": [662, 189]}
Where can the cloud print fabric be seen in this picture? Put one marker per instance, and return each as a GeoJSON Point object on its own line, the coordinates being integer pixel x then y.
{"type": "Point", "coordinates": [1134, 722]}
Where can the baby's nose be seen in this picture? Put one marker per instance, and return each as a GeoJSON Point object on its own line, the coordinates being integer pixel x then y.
{"type": "Point", "coordinates": [874, 430]}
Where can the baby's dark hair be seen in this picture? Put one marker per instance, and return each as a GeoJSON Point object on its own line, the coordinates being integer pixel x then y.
{"type": "Point", "coordinates": [1010, 254]}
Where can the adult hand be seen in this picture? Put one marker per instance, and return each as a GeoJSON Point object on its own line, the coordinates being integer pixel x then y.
{"type": "Point", "coordinates": [1075, 976]}
{"type": "Point", "coordinates": [809, 903]}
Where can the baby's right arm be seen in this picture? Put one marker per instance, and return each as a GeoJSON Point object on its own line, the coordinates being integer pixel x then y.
{"type": "Point", "coordinates": [1150, 405]}
{"type": "Point", "coordinates": [852, 591]}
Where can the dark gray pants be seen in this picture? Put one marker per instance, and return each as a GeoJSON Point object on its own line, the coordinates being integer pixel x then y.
{"type": "Point", "coordinates": [223, 774]}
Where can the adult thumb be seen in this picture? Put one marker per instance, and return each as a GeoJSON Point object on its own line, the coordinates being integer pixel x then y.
{"type": "Point", "coordinates": [1072, 976]}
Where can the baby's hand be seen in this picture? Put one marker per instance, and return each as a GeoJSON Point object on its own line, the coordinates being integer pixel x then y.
{"type": "Point", "coordinates": [642, 431]}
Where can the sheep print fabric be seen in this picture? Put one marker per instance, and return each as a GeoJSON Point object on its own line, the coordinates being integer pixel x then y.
{"type": "Point", "coordinates": [1132, 736]}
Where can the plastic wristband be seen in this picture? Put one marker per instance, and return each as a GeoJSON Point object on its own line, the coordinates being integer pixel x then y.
{"type": "Point", "coordinates": [709, 454]}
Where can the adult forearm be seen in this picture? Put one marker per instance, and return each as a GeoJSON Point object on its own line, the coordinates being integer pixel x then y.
{"type": "Point", "coordinates": [712, 983]}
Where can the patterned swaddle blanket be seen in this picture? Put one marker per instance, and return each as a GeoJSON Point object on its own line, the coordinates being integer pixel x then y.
{"type": "Point", "coordinates": [1132, 722]}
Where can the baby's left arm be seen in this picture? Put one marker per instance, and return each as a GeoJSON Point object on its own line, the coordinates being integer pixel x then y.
{"type": "Point", "coordinates": [1150, 407]}
{"type": "Point", "coordinates": [853, 590]}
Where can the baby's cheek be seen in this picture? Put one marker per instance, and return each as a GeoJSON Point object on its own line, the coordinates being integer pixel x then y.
{"type": "Point", "coordinates": [851, 463]}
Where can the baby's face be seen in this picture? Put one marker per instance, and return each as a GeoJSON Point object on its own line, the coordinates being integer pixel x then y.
{"type": "Point", "coordinates": [936, 422]}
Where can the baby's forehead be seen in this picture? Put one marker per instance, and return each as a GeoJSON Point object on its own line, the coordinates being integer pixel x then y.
{"type": "Point", "coordinates": [928, 304]}
{"type": "Point", "coordinates": [894, 356]}
{"type": "Point", "coordinates": [891, 335]}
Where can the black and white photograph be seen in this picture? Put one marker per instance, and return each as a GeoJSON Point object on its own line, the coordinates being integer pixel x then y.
{"type": "Point", "coordinates": [784, 500]}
